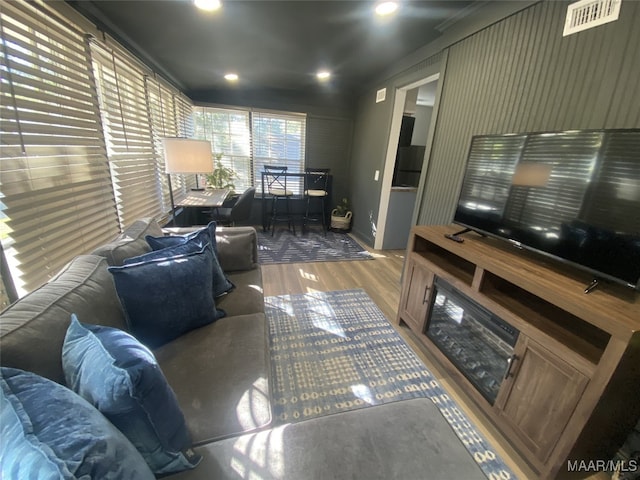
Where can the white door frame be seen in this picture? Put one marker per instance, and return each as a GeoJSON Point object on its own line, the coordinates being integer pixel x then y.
{"type": "Point", "coordinates": [392, 149]}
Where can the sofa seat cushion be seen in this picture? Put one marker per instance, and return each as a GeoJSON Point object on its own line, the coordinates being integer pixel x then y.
{"type": "Point", "coordinates": [219, 374]}
{"type": "Point", "coordinates": [403, 440]}
{"type": "Point", "coordinates": [166, 297]}
{"type": "Point", "coordinates": [247, 297]}
{"type": "Point", "coordinates": [34, 327]}
{"type": "Point", "coordinates": [50, 432]}
{"type": "Point", "coordinates": [130, 243]}
{"type": "Point", "coordinates": [118, 375]}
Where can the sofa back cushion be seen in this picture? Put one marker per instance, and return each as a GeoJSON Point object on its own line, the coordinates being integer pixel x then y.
{"type": "Point", "coordinates": [32, 330]}
{"type": "Point", "coordinates": [131, 242]}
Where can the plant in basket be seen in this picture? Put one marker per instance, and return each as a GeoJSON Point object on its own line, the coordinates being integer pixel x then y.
{"type": "Point", "coordinates": [341, 216]}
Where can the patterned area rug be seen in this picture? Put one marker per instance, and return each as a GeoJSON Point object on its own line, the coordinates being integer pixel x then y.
{"type": "Point", "coordinates": [312, 246]}
{"type": "Point", "coordinates": [335, 351]}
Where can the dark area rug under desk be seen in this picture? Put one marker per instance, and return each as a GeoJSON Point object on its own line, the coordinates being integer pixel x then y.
{"type": "Point", "coordinates": [311, 246]}
{"type": "Point", "coordinates": [333, 352]}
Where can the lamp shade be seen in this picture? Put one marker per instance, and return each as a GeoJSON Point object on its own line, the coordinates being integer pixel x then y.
{"type": "Point", "coordinates": [186, 155]}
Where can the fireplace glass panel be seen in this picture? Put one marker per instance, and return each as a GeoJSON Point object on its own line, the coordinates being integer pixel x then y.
{"type": "Point", "coordinates": [477, 342]}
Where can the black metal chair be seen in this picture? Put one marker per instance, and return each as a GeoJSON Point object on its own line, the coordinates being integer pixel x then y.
{"type": "Point", "coordinates": [240, 211]}
{"type": "Point", "coordinates": [316, 182]}
{"type": "Point", "coordinates": [275, 181]}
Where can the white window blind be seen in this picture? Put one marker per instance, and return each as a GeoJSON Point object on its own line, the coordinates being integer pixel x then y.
{"type": "Point", "coordinates": [184, 123]}
{"type": "Point", "coordinates": [184, 115]}
{"type": "Point", "coordinates": [163, 124]}
{"type": "Point", "coordinates": [55, 190]}
{"type": "Point", "coordinates": [127, 130]}
{"type": "Point", "coordinates": [229, 133]}
{"type": "Point", "coordinates": [170, 117]}
{"type": "Point", "coordinates": [279, 139]}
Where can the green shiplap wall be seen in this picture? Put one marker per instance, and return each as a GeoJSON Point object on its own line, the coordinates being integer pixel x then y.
{"type": "Point", "coordinates": [522, 75]}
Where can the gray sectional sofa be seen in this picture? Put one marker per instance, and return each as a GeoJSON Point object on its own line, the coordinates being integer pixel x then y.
{"type": "Point", "coordinates": [220, 375]}
{"type": "Point", "coordinates": [219, 372]}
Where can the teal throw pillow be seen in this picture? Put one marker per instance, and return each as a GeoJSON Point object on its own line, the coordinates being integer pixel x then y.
{"type": "Point", "coordinates": [167, 297]}
{"type": "Point", "coordinates": [167, 245]}
{"type": "Point", "coordinates": [120, 376]}
{"type": "Point", "coordinates": [50, 432]}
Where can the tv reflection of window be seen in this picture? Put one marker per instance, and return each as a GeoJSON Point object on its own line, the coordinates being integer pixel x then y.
{"type": "Point", "coordinates": [488, 177]}
{"type": "Point", "coordinates": [560, 186]}
{"type": "Point", "coordinates": [579, 201]}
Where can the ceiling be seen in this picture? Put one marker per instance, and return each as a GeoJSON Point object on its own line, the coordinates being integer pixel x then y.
{"type": "Point", "coordinates": [271, 44]}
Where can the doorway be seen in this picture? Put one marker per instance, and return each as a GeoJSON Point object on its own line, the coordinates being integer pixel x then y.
{"type": "Point", "coordinates": [411, 127]}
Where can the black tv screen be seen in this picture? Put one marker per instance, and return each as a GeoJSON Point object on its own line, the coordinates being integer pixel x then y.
{"type": "Point", "coordinates": [573, 196]}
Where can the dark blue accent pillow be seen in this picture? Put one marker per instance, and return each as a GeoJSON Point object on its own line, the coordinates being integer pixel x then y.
{"type": "Point", "coordinates": [167, 246]}
{"type": "Point", "coordinates": [48, 431]}
{"type": "Point", "coordinates": [157, 243]}
{"type": "Point", "coordinates": [120, 376]}
{"type": "Point", "coordinates": [167, 297]}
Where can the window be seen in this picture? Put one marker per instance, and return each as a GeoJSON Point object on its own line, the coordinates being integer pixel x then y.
{"type": "Point", "coordinates": [127, 130]}
{"type": "Point", "coordinates": [137, 112]}
{"type": "Point", "coordinates": [248, 140]}
{"type": "Point", "coordinates": [79, 158]}
{"type": "Point", "coordinates": [279, 139]}
{"type": "Point", "coordinates": [170, 117]}
{"type": "Point", "coordinates": [56, 196]}
{"type": "Point", "coordinates": [229, 134]}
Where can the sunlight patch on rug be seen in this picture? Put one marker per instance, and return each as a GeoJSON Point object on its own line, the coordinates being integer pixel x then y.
{"type": "Point", "coordinates": [335, 351]}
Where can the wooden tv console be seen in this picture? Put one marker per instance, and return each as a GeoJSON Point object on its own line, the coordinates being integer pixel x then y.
{"type": "Point", "coordinates": [572, 391]}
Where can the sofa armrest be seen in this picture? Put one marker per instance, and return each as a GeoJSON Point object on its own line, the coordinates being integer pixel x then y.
{"type": "Point", "coordinates": [237, 246]}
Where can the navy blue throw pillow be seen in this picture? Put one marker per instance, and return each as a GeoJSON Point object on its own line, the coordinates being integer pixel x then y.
{"type": "Point", "coordinates": [48, 431]}
{"type": "Point", "coordinates": [114, 372]}
{"type": "Point", "coordinates": [167, 297]}
{"type": "Point", "coordinates": [157, 243]}
{"type": "Point", "coordinates": [166, 246]}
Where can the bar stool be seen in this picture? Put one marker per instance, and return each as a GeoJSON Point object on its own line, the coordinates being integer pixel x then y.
{"type": "Point", "coordinates": [316, 181]}
{"type": "Point", "coordinates": [275, 179]}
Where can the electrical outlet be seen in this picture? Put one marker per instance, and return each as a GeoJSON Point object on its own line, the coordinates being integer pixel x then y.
{"type": "Point", "coordinates": [376, 175]}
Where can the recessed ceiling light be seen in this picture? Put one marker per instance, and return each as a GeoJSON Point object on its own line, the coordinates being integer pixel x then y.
{"type": "Point", "coordinates": [323, 75]}
{"type": "Point", "coordinates": [208, 5]}
{"type": "Point", "coordinates": [232, 77]}
{"type": "Point", "coordinates": [386, 8]}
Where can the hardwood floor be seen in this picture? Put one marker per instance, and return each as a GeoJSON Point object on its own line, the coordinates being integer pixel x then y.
{"type": "Point", "coordinates": [381, 279]}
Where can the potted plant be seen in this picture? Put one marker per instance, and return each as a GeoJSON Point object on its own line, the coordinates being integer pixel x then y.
{"type": "Point", "coordinates": [222, 177]}
{"type": "Point", "coordinates": [341, 216]}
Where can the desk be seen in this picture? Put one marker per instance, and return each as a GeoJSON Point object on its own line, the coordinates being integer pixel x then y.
{"type": "Point", "coordinates": [205, 199]}
{"type": "Point", "coordinates": [210, 198]}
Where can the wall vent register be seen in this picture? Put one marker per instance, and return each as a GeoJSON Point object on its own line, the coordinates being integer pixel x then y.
{"type": "Point", "coordinates": [587, 14]}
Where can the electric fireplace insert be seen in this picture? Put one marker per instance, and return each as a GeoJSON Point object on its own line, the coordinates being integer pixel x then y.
{"type": "Point", "coordinates": [476, 341]}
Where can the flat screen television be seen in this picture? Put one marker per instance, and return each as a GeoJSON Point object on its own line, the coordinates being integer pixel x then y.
{"type": "Point", "coordinates": [573, 196]}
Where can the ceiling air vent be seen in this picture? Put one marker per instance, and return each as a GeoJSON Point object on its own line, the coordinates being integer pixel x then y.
{"type": "Point", "coordinates": [587, 14]}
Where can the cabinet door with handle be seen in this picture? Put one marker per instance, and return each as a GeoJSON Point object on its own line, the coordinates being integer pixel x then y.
{"type": "Point", "coordinates": [538, 396]}
{"type": "Point", "coordinates": [416, 295]}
